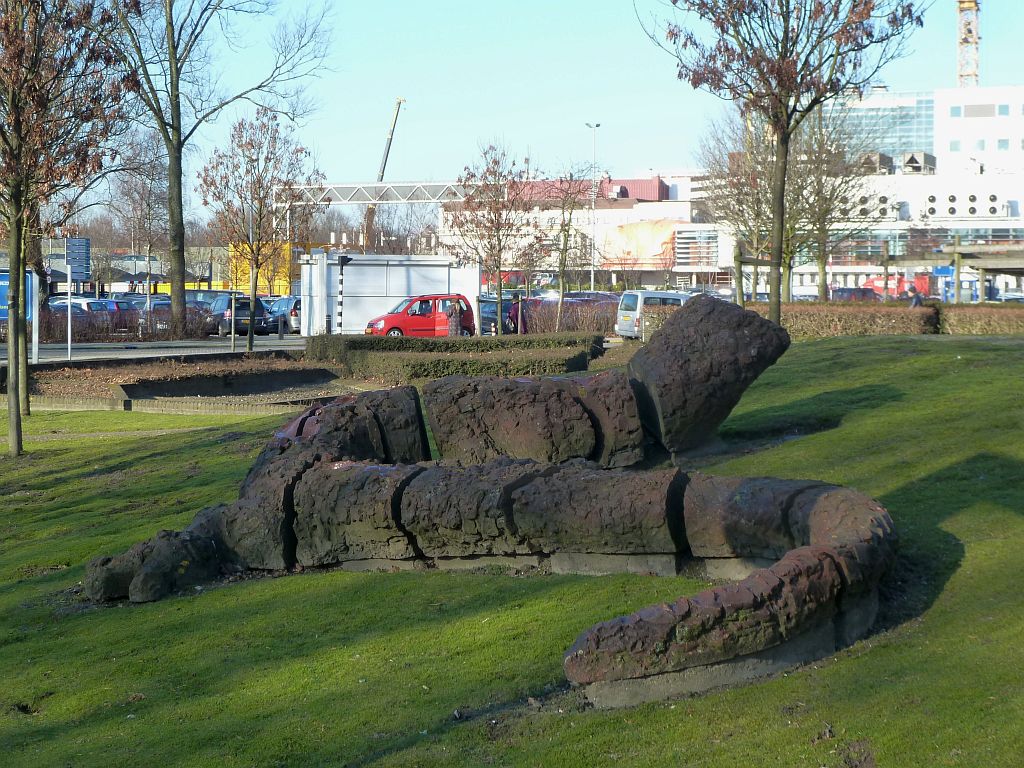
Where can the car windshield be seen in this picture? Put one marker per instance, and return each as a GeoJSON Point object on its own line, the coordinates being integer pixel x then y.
{"type": "Point", "coordinates": [400, 307]}
{"type": "Point", "coordinates": [629, 302]}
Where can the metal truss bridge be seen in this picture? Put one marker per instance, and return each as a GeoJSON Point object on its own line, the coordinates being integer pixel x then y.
{"type": "Point", "coordinates": [375, 193]}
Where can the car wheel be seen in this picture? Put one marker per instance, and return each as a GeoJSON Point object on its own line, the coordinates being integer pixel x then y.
{"type": "Point", "coordinates": [465, 332]}
{"type": "Point", "coordinates": [395, 332]}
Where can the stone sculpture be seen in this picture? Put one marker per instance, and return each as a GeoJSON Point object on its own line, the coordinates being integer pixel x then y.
{"type": "Point", "coordinates": [537, 472]}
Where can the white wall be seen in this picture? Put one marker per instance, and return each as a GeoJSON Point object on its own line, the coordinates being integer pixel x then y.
{"type": "Point", "coordinates": [373, 285]}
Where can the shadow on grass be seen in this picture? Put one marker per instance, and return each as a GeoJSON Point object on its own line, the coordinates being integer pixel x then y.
{"type": "Point", "coordinates": [217, 646]}
{"type": "Point", "coordinates": [928, 555]}
{"type": "Point", "coordinates": [813, 414]}
{"type": "Point", "coordinates": [228, 641]}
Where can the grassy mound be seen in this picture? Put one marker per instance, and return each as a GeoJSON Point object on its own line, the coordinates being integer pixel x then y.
{"type": "Point", "coordinates": [332, 668]}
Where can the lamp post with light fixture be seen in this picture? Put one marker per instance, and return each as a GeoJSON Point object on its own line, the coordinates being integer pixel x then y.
{"type": "Point", "coordinates": [593, 202]}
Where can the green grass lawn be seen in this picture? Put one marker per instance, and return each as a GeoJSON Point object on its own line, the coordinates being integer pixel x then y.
{"type": "Point", "coordinates": [332, 668]}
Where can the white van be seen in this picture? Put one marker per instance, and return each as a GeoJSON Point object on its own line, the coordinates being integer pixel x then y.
{"type": "Point", "coordinates": [629, 322]}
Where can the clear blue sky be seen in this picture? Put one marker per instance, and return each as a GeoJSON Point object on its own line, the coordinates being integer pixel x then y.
{"type": "Point", "coordinates": [530, 74]}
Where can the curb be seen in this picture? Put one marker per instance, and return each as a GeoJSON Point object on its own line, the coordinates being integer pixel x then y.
{"type": "Point", "coordinates": [43, 403]}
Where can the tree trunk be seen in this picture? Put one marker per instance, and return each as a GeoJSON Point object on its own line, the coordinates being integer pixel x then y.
{"type": "Point", "coordinates": [497, 306]}
{"type": "Point", "coordinates": [14, 299]}
{"type": "Point", "coordinates": [23, 403]}
{"type": "Point", "coordinates": [778, 225]}
{"type": "Point", "coordinates": [786, 278]}
{"type": "Point", "coordinates": [176, 235]}
{"type": "Point", "coordinates": [737, 264]}
{"type": "Point", "coordinates": [822, 265]}
{"type": "Point", "coordinates": [253, 276]}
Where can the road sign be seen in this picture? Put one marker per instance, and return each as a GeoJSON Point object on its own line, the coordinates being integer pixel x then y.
{"type": "Point", "coordinates": [77, 256]}
{"type": "Point", "coordinates": [5, 285]}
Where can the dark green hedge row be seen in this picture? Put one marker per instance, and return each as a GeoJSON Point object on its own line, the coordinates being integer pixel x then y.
{"type": "Point", "coordinates": [335, 348]}
{"type": "Point", "coordinates": [403, 367]}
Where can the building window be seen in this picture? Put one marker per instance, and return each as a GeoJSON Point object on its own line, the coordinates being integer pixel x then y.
{"type": "Point", "coordinates": [954, 111]}
{"type": "Point", "coordinates": [980, 145]}
{"type": "Point", "coordinates": [1004, 110]}
{"type": "Point", "coordinates": [954, 145]}
{"type": "Point", "coordinates": [1003, 145]}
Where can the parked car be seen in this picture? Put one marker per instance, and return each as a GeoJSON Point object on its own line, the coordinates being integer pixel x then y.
{"type": "Point", "coordinates": [593, 297]}
{"type": "Point", "coordinates": [112, 315]}
{"type": "Point", "coordinates": [630, 319]}
{"type": "Point", "coordinates": [425, 315]}
{"type": "Point", "coordinates": [853, 294]}
{"type": "Point", "coordinates": [287, 307]}
{"type": "Point", "coordinates": [158, 317]}
{"type": "Point", "coordinates": [223, 323]}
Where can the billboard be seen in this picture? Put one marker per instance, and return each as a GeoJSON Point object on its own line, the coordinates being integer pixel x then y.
{"type": "Point", "coordinates": [5, 285]}
{"type": "Point", "coordinates": [640, 245]}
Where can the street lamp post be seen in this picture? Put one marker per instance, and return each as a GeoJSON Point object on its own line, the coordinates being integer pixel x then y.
{"type": "Point", "coordinates": [593, 202]}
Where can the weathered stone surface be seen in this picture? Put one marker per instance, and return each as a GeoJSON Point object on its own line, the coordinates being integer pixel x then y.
{"type": "Point", "coordinates": [582, 508]}
{"type": "Point", "coordinates": [478, 419]}
{"type": "Point", "coordinates": [796, 594]}
{"type": "Point", "coordinates": [816, 643]}
{"type": "Point", "coordinates": [345, 428]}
{"type": "Point", "coordinates": [740, 516]}
{"type": "Point", "coordinates": [609, 399]}
{"type": "Point", "coordinates": [400, 419]}
{"type": "Point", "coordinates": [257, 528]}
{"type": "Point", "coordinates": [692, 372]}
{"type": "Point", "coordinates": [856, 527]}
{"type": "Point", "coordinates": [178, 560]}
{"type": "Point", "coordinates": [349, 511]}
{"type": "Point", "coordinates": [108, 578]}
{"type": "Point", "coordinates": [466, 511]}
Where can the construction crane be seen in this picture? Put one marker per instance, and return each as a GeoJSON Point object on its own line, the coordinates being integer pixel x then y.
{"type": "Point", "coordinates": [967, 43]}
{"type": "Point", "coordinates": [371, 210]}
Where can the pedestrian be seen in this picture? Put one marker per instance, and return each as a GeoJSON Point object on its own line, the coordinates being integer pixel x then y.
{"type": "Point", "coordinates": [454, 313]}
{"type": "Point", "coordinates": [915, 297]}
{"type": "Point", "coordinates": [515, 320]}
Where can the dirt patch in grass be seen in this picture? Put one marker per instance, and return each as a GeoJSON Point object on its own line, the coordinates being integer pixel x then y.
{"type": "Point", "coordinates": [88, 381]}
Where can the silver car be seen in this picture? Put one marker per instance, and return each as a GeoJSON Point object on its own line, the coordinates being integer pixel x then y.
{"type": "Point", "coordinates": [288, 307]}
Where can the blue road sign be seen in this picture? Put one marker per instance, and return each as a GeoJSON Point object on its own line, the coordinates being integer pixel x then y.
{"type": "Point", "coordinates": [5, 286]}
{"type": "Point", "coordinates": [77, 257]}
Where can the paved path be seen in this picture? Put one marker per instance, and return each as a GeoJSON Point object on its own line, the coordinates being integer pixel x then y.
{"type": "Point", "coordinates": [136, 349]}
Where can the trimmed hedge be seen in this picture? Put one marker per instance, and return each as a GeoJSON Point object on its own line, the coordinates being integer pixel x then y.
{"type": "Point", "coordinates": [403, 367]}
{"type": "Point", "coordinates": [983, 319]}
{"type": "Point", "coordinates": [336, 348]}
{"type": "Point", "coordinates": [806, 320]}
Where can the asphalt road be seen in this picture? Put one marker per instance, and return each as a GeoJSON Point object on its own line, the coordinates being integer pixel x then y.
{"type": "Point", "coordinates": [137, 349]}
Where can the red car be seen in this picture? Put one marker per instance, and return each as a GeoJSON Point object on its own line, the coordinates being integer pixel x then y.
{"type": "Point", "coordinates": [425, 315]}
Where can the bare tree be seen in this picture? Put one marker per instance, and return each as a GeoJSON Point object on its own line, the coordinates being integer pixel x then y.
{"type": "Point", "coordinates": [494, 223]}
{"type": "Point", "coordinates": [205, 252]}
{"type": "Point", "coordinates": [826, 181]}
{"type": "Point", "coordinates": [261, 167]}
{"type": "Point", "coordinates": [566, 196]}
{"type": "Point", "coordinates": [736, 188]}
{"type": "Point", "coordinates": [140, 197]}
{"type": "Point", "coordinates": [782, 59]}
{"type": "Point", "coordinates": [168, 43]}
{"type": "Point", "coordinates": [833, 192]}
{"type": "Point", "coordinates": [59, 102]}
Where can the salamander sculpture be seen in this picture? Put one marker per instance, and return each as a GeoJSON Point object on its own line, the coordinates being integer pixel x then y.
{"type": "Point", "coordinates": [541, 473]}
